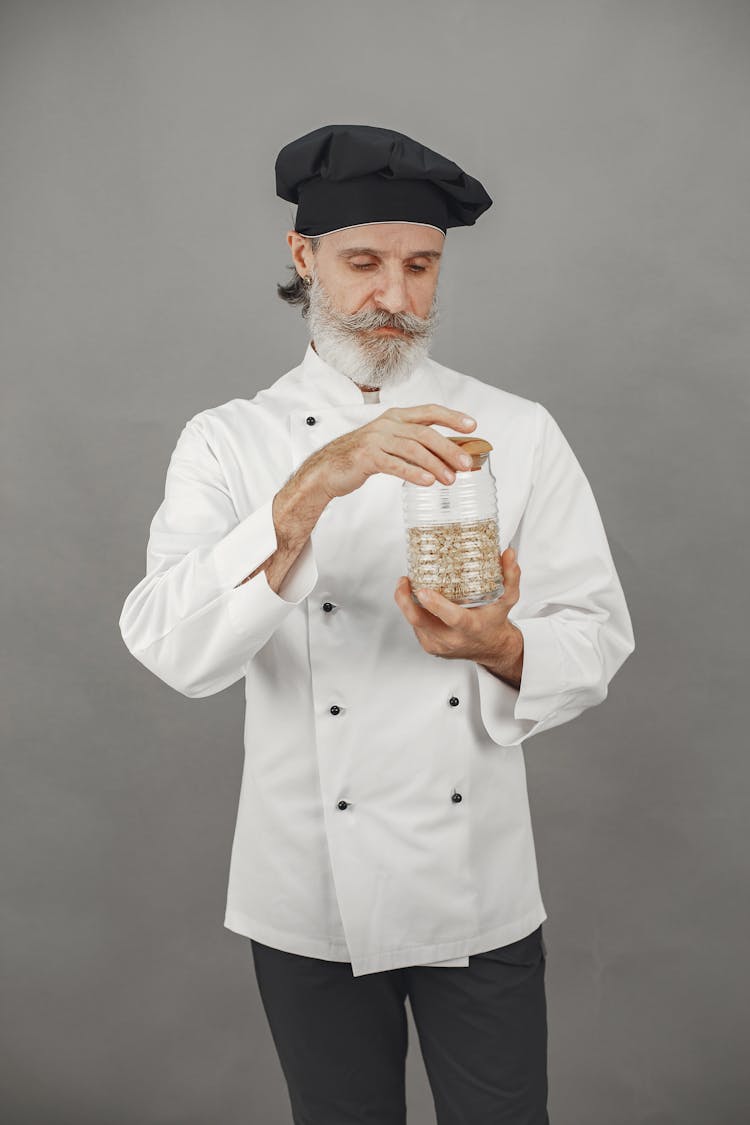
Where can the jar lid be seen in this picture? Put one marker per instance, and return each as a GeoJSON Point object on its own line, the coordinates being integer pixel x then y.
{"type": "Point", "coordinates": [476, 447]}
{"type": "Point", "coordinates": [472, 445]}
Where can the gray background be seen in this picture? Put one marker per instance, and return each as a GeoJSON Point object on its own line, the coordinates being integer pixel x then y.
{"type": "Point", "coordinates": [140, 243]}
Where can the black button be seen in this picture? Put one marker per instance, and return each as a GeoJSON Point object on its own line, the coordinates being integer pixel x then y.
{"type": "Point", "coordinates": [343, 805]}
{"type": "Point", "coordinates": [456, 798]}
{"type": "Point", "coordinates": [310, 420]}
{"type": "Point", "coordinates": [335, 709]}
{"type": "Point", "coordinates": [327, 606]}
{"type": "Point", "coordinates": [453, 701]}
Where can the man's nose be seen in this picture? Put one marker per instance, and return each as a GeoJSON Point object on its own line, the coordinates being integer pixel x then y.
{"type": "Point", "coordinates": [390, 293]}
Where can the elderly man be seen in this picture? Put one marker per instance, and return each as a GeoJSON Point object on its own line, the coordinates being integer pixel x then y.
{"type": "Point", "coordinates": [383, 846]}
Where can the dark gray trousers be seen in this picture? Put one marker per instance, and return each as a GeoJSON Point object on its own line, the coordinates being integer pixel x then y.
{"type": "Point", "coordinates": [342, 1040]}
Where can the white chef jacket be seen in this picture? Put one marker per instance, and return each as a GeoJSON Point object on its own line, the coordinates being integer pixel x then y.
{"type": "Point", "coordinates": [348, 844]}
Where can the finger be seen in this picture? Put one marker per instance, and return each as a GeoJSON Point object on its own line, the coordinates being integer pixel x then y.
{"type": "Point", "coordinates": [402, 596]}
{"type": "Point", "coordinates": [511, 574]}
{"type": "Point", "coordinates": [397, 467]}
{"type": "Point", "coordinates": [415, 453]}
{"type": "Point", "coordinates": [415, 614]}
{"type": "Point", "coordinates": [434, 450]}
{"type": "Point", "coordinates": [452, 615]}
{"type": "Point", "coordinates": [430, 413]}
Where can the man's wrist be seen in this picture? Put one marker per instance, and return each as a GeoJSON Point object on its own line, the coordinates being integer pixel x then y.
{"type": "Point", "coordinates": [506, 660]}
{"type": "Point", "coordinates": [297, 507]}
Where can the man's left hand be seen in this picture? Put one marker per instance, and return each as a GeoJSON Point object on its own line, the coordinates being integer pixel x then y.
{"type": "Point", "coordinates": [481, 633]}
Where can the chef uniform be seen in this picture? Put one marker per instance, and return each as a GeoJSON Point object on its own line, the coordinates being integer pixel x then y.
{"type": "Point", "coordinates": [383, 828]}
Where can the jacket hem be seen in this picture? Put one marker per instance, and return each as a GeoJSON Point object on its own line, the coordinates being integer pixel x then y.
{"type": "Point", "coordinates": [425, 954]}
{"type": "Point", "coordinates": [240, 923]}
{"type": "Point", "coordinates": [412, 955]}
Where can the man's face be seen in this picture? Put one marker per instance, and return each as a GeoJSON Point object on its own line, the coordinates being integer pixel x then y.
{"type": "Point", "coordinates": [373, 301]}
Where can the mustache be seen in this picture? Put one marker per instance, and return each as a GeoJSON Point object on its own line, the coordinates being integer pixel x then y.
{"type": "Point", "coordinates": [406, 322]}
{"type": "Point", "coordinates": [377, 318]}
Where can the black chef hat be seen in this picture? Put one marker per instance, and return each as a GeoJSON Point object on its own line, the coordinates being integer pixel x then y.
{"type": "Point", "coordinates": [346, 175]}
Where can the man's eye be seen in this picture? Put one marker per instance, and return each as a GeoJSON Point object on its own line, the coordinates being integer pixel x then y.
{"type": "Point", "coordinates": [369, 265]}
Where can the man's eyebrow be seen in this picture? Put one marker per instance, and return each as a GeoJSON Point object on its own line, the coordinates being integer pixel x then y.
{"type": "Point", "coordinates": [353, 251]}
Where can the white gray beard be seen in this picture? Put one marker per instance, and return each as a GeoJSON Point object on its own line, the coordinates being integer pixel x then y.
{"type": "Point", "coordinates": [369, 359]}
{"type": "Point", "coordinates": [361, 363]}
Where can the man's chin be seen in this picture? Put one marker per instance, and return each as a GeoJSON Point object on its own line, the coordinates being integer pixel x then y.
{"type": "Point", "coordinates": [388, 362]}
{"type": "Point", "coordinates": [370, 361]}
{"type": "Point", "coordinates": [387, 373]}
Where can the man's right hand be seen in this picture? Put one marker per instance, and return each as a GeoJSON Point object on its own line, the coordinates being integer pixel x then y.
{"type": "Point", "coordinates": [399, 442]}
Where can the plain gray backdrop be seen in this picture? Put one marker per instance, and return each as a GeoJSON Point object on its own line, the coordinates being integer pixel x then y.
{"type": "Point", "coordinates": [141, 241]}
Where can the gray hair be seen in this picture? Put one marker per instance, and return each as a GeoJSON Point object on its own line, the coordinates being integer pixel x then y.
{"type": "Point", "coordinates": [296, 292]}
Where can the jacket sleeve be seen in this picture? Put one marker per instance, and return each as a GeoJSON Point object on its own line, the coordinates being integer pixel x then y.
{"type": "Point", "coordinates": [571, 610]}
{"type": "Point", "coordinates": [187, 620]}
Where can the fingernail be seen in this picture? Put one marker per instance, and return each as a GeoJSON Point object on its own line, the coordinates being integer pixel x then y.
{"type": "Point", "coordinates": [467, 421]}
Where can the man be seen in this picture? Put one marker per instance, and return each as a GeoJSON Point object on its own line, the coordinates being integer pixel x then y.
{"type": "Point", "coordinates": [383, 845]}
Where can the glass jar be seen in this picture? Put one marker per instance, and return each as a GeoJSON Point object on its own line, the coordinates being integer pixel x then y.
{"type": "Point", "coordinates": [452, 533]}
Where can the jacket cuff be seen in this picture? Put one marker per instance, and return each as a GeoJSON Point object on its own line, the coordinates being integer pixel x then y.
{"type": "Point", "coordinates": [509, 715]}
{"type": "Point", "coordinates": [255, 606]}
{"type": "Point", "coordinates": [245, 547]}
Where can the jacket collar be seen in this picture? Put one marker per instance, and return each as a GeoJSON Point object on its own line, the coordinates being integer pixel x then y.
{"type": "Point", "coordinates": [334, 388]}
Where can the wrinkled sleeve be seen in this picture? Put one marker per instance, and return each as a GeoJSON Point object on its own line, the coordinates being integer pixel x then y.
{"type": "Point", "coordinates": [188, 621]}
{"type": "Point", "coordinates": [571, 610]}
